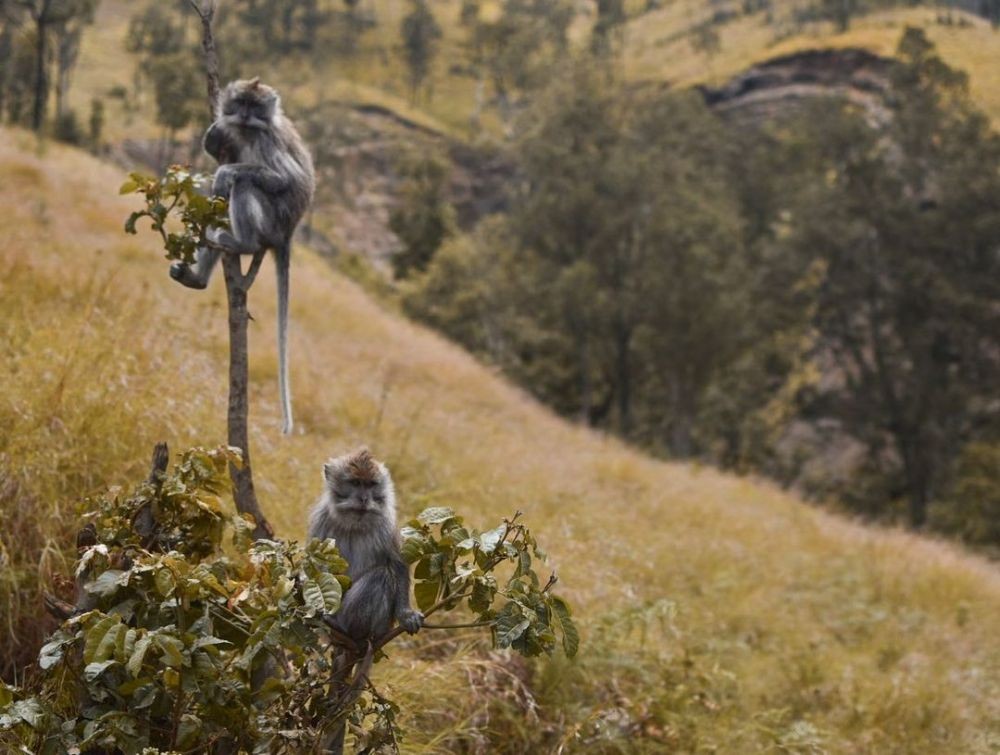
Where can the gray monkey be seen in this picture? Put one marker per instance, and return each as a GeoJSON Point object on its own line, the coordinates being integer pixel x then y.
{"type": "Point", "coordinates": [266, 172]}
{"type": "Point", "coordinates": [358, 509]}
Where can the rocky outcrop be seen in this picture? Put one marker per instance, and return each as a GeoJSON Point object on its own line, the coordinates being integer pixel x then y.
{"type": "Point", "coordinates": [779, 87]}
{"type": "Point", "coordinates": [358, 152]}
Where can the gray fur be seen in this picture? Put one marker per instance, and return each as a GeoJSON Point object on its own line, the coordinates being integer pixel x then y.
{"type": "Point", "coordinates": [360, 515]}
{"type": "Point", "coordinates": [266, 172]}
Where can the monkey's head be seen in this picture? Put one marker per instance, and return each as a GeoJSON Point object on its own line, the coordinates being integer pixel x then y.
{"type": "Point", "coordinates": [360, 486]}
{"type": "Point", "coordinates": [249, 105]}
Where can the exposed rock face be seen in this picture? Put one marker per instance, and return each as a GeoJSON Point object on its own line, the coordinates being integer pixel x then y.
{"type": "Point", "coordinates": [358, 150]}
{"type": "Point", "coordinates": [779, 87]}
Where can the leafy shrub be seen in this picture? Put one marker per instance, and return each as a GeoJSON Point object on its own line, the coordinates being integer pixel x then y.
{"type": "Point", "coordinates": [191, 636]}
{"type": "Point", "coordinates": [178, 193]}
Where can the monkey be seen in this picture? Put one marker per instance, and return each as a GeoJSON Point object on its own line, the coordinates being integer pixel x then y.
{"type": "Point", "coordinates": [358, 510]}
{"type": "Point", "coordinates": [266, 172]}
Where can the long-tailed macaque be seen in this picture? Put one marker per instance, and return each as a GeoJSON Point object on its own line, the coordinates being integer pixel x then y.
{"type": "Point", "coordinates": [267, 174]}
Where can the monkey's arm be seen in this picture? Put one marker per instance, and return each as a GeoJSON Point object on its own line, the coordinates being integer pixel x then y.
{"type": "Point", "coordinates": [259, 176]}
{"type": "Point", "coordinates": [409, 619]}
{"type": "Point", "coordinates": [215, 142]}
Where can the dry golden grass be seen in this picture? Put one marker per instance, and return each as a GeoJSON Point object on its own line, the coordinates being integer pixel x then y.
{"type": "Point", "coordinates": [717, 612]}
{"type": "Point", "coordinates": [658, 45]}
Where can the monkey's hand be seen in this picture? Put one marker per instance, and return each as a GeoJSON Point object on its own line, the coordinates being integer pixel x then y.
{"type": "Point", "coordinates": [222, 184]}
{"type": "Point", "coordinates": [410, 620]}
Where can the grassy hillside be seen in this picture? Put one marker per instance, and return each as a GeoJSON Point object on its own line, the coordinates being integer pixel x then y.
{"type": "Point", "coordinates": [657, 47]}
{"type": "Point", "coordinates": [718, 613]}
{"type": "Point", "coordinates": [658, 44]}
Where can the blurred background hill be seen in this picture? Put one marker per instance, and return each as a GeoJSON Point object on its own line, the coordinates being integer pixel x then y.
{"type": "Point", "coordinates": [685, 255]}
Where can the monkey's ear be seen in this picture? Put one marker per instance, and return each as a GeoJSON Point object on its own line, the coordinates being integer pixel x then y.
{"type": "Point", "coordinates": [255, 82]}
{"type": "Point", "coordinates": [330, 472]}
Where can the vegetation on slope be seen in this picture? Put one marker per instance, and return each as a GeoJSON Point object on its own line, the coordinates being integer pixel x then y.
{"type": "Point", "coordinates": [660, 42]}
{"type": "Point", "coordinates": [717, 612]}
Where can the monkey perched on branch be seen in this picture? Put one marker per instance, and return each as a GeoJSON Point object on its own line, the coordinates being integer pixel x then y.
{"type": "Point", "coordinates": [358, 510]}
{"type": "Point", "coordinates": [267, 174]}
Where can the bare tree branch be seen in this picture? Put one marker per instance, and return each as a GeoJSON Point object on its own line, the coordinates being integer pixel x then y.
{"type": "Point", "coordinates": [206, 12]}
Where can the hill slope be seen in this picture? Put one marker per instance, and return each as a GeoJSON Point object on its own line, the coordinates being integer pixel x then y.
{"type": "Point", "coordinates": [657, 47]}
{"type": "Point", "coordinates": [717, 612]}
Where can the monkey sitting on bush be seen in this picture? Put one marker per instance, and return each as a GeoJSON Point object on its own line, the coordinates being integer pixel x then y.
{"type": "Point", "coordinates": [358, 510]}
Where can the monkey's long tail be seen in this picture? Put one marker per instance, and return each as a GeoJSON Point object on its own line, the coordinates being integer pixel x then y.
{"type": "Point", "coordinates": [282, 259]}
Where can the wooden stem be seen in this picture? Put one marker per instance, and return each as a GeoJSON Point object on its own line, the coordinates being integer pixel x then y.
{"type": "Point", "coordinates": [237, 287]}
{"type": "Point", "coordinates": [242, 476]}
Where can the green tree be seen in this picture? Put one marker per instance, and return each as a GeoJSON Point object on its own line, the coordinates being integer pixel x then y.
{"type": "Point", "coordinates": [905, 223]}
{"type": "Point", "coordinates": [839, 12]}
{"type": "Point", "coordinates": [168, 61]}
{"type": "Point", "coordinates": [561, 218]}
{"type": "Point", "coordinates": [516, 50]}
{"type": "Point", "coordinates": [60, 21]}
{"type": "Point", "coordinates": [423, 219]}
{"type": "Point", "coordinates": [421, 33]}
{"type": "Point", "coordinates": [682, 311]}
{"type": "Point", "coordinates": [610, 17]}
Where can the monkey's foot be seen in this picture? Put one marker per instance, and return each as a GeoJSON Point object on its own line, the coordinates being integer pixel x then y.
{"type": "Point", "coordinates": [411, 621]}
{"type": "Point", "coordinates": [181, 272]}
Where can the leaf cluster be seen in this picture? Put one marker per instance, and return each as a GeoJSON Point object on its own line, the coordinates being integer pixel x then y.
{"type": "Point", "coordinates": [456, 565]}
{"type": "Point", "coordinates": [178, 195]}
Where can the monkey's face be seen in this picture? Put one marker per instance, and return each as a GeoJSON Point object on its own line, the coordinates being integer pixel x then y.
{"type": "Point", "coordinates": [358, 497]}
{"type": "Point", "coordinates": [249, 105]}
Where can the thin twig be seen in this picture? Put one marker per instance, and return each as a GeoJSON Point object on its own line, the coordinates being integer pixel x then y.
{"type": "Point", "coordinates": [470, 625]}
{"type": "Point", "coordinates": [207, 16]}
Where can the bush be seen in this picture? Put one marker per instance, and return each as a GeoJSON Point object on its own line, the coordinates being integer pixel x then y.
{"type": "Point", "coordinates": [972, 510]}
{"type": "Point", "coordinates": [191, 636]}
{"type": "Point", "coordinates": [67, 128]}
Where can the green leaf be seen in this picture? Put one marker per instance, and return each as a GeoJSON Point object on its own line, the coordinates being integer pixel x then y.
{"type": "Point", "coordinates": [165, 582]}
{"type": "Point", "coordinates": [482, 596]}
{"type": "Point", "coordinates": [426, 594]}
{"type": "Point", "coordinates": [415, 543]}
{"type": "Point", "coordinates": [107, 583]}
{"type": "Point", "coordinates": [53, 651]}
{"type": "Point", "coordinates": [435, 515]}
{"type": "Point", "coordinates": [94, 670]}
{"type": "Point", "coordinates": [129, 186]}
{"type": "Point", "coordinates": [188, 730]}
{"type": "Point", "coordinates": [508, 633]}
{"type": "Point", "coordinates": [312, 594]}
{"type": "Point", "coordinates": [141, 646]}
{"type": "Point", "coordinates": [173, 650]}
{"type": "Point", "coordinates": [94, 636]}
{"type": "Point", "coordinates": [571, 637]}
{"type": "Point", "coordinates": [108, 644]}
{"type": "Point", "coordinates": [28, 711]}
{"type": "Point", "coordinates": [488, 541]}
